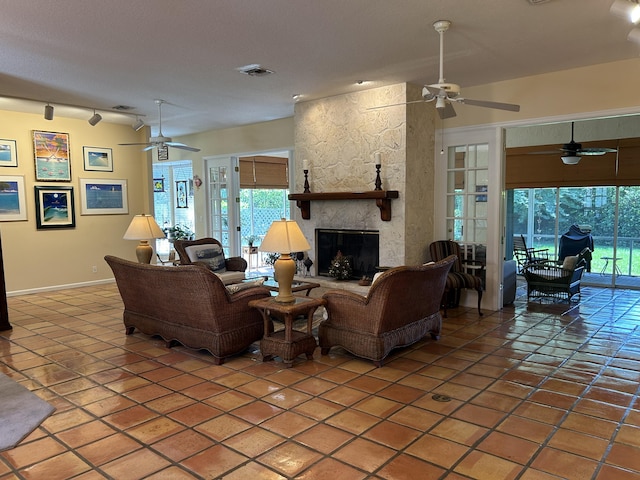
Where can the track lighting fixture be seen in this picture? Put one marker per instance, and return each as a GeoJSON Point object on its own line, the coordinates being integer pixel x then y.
{"type": "Point", "coordinates": [48, 112]}
{"type": "Point", "coordinates": [93, 121]}
{"type": "Point", "coordinates": [138, 125]}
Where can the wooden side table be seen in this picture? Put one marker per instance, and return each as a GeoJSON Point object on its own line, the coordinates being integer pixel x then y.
{"type": "Point", "coordinates": [288, 343]}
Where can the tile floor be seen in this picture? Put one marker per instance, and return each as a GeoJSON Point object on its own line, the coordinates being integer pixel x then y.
{"type": "Point", "coordinates": [538, 391]}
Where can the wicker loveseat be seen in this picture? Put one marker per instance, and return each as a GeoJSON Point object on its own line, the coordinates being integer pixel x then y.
{"type": "Point", "coordinates": [548, 280]}
{"type": "Point", "coordinates": [402, 306]}
{"type": "Point", "coordinates": [189, 305]}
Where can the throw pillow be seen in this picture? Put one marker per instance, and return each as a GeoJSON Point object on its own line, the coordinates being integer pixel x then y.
{"type": "Point", "coordinates": [237, 287]}
{"type": "Point", "coordinates": [569, 262]}
{"type": "Point", "coordinates": [212, 255]}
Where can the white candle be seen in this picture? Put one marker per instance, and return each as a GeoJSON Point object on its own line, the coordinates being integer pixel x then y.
{"type": "Point", "coordinates": [305, 164]}
{"type": "Point", "coordinates": [377, 157]}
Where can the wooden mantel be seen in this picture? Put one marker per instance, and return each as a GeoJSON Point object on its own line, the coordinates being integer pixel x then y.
{"type": "Point", "coordinates": [382, 198]}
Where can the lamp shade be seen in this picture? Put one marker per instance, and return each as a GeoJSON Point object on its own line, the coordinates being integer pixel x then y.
{"type": "Point", "coordinates": [143, 227]}
{"type": "Point", "coordinates": [284, 236]}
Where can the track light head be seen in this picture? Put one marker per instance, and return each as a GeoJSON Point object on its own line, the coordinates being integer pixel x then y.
{"type": "Point", "coordinates": [93, 121]}
{"type": "Point", "coordinates": [48, 112]}
{"type": "Point", "coordinates": [138, 125]}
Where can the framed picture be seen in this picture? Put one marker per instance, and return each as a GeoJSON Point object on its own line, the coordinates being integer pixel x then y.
{"type": "Point", "coordinates": [8, 153]}
{"type": "Point", "coordinates": [54, 207]}
{"type": "Point", "coordinates": [158, 184]}
{"type": "Point", "coordinates": [181, 194]}
{"type": "Point", "coordinates": [103, 197]}
{"type": "Point", "coordinates": [163, 153]}
{"type": "Point", "coordinates": [12, 198]}
{"type": "Point", "coordinates": [51, 152]}
{"type": "Point", "coordinates": [98, 159]}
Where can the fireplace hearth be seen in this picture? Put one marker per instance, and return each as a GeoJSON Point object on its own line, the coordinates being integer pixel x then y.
{"type": "Point", "coordinates": [362, 247]}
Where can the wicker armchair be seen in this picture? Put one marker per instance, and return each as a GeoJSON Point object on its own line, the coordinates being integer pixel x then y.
{"type": "Point", "coordinates": [548, 280]}
{"type": "Point", "coordinates": [458, 278]}
{"type": "Point", "coordinates": [189, 305]}
{"type": "Point", "coordinates": [232, 271]}
{"type": "Point", "coordinates": [402, 306]}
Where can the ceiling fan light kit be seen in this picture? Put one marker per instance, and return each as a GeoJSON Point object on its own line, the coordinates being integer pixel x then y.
{"type": "Point", "coordinates": [570, 159]}
{"type": "Point", "coordinates": [626, 9]}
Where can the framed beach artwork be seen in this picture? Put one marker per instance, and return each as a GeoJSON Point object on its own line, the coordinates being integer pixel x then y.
{"type": "Point", "coordinates": [158, 184]}
{"type": "Point", "coordinates": [103, 197]}
{"type": "Point", "coordinates": [54, 207]}
{"type": "Point", "coordinates": [51, 152]}
{"type": "Point", "coordinates": [98, 159]}
{"type": "Point", "coordinates": [181, 194]}
{"type": "Point", "coordinates": [12, 199]}
{"type": "Point", "coordinates": [8, 153]}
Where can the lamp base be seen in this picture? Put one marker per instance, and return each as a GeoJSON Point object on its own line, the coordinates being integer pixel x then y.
{"type": "Point", "coordinates": [144, 252]}
{"type": "Point", "coordinates": [285, 269]}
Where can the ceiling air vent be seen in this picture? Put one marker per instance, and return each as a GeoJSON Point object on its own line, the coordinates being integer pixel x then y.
{"type": "Point", "coordinates": [255, 70]}
{"type": "Point", "coordinates": [122, 107]}
{"type": "Point", "coordinates": [537, 2]}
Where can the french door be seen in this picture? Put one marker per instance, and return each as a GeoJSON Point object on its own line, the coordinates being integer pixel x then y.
{"type": "Point", "coordinates": [222, 204]}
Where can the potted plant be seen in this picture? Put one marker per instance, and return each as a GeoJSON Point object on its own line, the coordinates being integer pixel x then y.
{"type": "Point", "coordinates": [178, 232]}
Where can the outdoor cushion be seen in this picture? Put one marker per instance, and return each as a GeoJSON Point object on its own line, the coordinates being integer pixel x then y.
{"type": "Point", "coordinates": [210, 254]}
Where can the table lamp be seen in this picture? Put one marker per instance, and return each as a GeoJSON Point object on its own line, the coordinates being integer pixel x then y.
{"type": "Point", "coordinates": [143, 227]}
{"type": "Point", "coordinates": [284, 236]}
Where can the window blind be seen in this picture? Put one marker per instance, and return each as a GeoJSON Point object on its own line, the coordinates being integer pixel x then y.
{"type": "Point", "coordinates": [264, 172]}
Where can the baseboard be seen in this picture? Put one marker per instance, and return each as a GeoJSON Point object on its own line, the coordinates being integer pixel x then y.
{"type": "Point", "coordinates": [53, 288]}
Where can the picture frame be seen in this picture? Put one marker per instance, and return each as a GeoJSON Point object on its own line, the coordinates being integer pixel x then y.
{"type": "Point", "coordinates": [51, 156]}
{"type": "Point", "coordinates": [13, 206]}
{"type": "Point", "coordinates": [98, 159]}
{"type": "Point", "coordinates": [158, 185]}
{"type": "Point", "coordinates": [54, 207]}
{"type": "Point", "coordinates": [163, 153]}
{"type": "Point", "coordinates": [8, 153]}
{"type": "Point", "coordinates": [182, 194]}
{"type": "Point", "coordinates": [103, 196]}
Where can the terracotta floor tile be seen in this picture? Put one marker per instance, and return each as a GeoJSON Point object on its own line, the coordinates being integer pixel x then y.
{"type": "Point", "coordinates": [579, 443]}
{"type": "Point", "coordinates": [486, 417]}
{"type": "Point", "coordinates": [459, 431]}
{"type": "Point", "coordinates": [318, 408]}
{"type": "Point", "coordinates": [253, 470]}
{"type": "Point", "coordinates": [213, 462]}
{"type": "Point", "coordinates": [254, 441]}
{"type": "Point", "coordinates": [511, 448]}
{"type": "Point", "coordinates": [289, 459]}
{"type": "Point", "coordinates": [344, 395]}
{"type": "Point", "coordinates": [483, 466]}
{"type": "Point", "coordinates": [436, 450]}
{"type": "Point", "coordinates": [259, 388]}
{"type": "Point", "coordinates": [564, 464]}
{"type": "Point", "coordinates": [182, 445]}
{"type": "Point", "coordinates": [155, 430]}
{"type": "Point", "coordinates": [610, 472]}
{"type": "Point", "coordinates": [194, 414]}
{"type": "Point", "coordinates": [541, 413]}
{"type": "Point", "coordinates": [288, 424]}
{"type": "Point", "coordinates": [404, 467]}
{"type": "Point", "coordinates": [331, 468]}
{"type": "Point", "coordinates": [257, 412]}
{"type": "Point", "coordinates": [228, 400]}
{"type": "Point", "coordinates": [33, 452]}
{"type": "Point", "coordinates": [526, 428]}
{"type": "Point", "coordinates": [589, 425]}
{"type": "Point", "coordinates": [353, 421]}
{"type": "Point", "coordinates": [392, 435]}
{"type": "Point", "coordinates": [314, 386]}
{"type": "Point", "coordinates": [379, 407]}
{"type": "Point", "coordinates": [60, 467]}
{"type": "Point", "coordinates": [86, 433]}
{"type": "Point", "coordinates": [222, 427]}
{"type": "Point", "coordinates": [625, 456]}
{"type": "Point", "coordinates": [416, 418]}
{"type": "Point", "coordinates": [170, 473]}
{"type": "Point", "coordinates": [323, 438]}
{"type": "Point", "coordinates": [130, 417]}
{"type": "Point", "coordinates": [364, 454]}
{"type": "Point", "coordinates": [108, 449]}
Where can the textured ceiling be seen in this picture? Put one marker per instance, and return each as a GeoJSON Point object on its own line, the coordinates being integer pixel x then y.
{"type": "Point", "coordinates": [100, 54]}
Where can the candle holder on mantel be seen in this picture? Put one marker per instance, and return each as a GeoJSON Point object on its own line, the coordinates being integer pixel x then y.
{"type": "Point", "coordinates": [306, 181]}
{"type": "Point", "coordinates": [378, 181]}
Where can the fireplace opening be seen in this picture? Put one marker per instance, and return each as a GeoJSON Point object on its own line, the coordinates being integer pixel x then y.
{"type": "Point", "coordinates": [360, 246]}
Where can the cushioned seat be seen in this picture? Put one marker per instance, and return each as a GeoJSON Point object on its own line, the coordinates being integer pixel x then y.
{"type": "Point", "coordinates": [208, 251]}
{"type": "Point", "coordinates": [458, 277]}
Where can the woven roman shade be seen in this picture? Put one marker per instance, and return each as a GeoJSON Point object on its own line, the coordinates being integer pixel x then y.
{"type": "Point", "coordinates": [264, 172]}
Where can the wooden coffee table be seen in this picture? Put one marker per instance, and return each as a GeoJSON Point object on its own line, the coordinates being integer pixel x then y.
{"type": "Point", "coordinates": [288, 343]}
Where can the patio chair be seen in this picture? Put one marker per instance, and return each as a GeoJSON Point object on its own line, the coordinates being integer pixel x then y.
{"type": "Point", "coordinates": [526, 255]}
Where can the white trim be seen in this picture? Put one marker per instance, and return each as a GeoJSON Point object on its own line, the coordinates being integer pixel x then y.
{"type": "Point", "coordinates": [53, 288]}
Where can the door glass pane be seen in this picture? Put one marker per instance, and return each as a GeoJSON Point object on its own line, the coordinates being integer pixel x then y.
{"type": "Point", "coordinates": [218, 205]}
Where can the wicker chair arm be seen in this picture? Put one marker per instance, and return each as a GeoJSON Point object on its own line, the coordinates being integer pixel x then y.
{"type": "Point", "coordinates": [236, 264]}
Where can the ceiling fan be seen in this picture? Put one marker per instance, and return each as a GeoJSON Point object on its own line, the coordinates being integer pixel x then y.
{"type": "Point", "coordinates": [572, 151]}
{"type": "Point", "coordinates": [445, 94]}
{"type": "Point", "coordinates": [161, 141]}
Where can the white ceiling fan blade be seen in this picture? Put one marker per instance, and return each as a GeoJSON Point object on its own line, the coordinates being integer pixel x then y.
{"type": "Point", "coordinates": [182, 146]}
{"type": "Point", "coordinates": [483, 103]}
{"type": "Point", "coordinates": [596, 151]}
{"type": "Point", "coordinates": [150, 147]}
{"type": "Point", "coordinates": [395, 104]}
{"type": "Point", "coordinates": [129, 144]}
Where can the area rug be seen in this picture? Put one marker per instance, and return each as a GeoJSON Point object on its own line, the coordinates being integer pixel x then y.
{"type": "Point", "coordinates": [20, 412]}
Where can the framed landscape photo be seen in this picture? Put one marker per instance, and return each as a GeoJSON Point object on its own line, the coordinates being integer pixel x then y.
{"type": "Point", "coordinates": [98, 159]}
{"type": "Point", "coordinates": [51, 152]}
{"type": "Point", "coordinates": [103, 197]}
{"type": "Point", "coordinates": [54, 207]}
{"type": "Point", "coordinates": [13, 206]}
{"type": "Point", "coordinates": [8, 153]}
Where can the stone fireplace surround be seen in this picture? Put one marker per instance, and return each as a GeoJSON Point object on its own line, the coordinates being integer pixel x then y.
{"type": "Point", "coordinates": [338, 136]}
